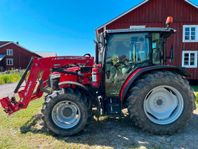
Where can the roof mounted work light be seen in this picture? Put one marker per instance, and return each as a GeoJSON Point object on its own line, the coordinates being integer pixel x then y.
{"type": "Point", "coordinates": [169, 21]}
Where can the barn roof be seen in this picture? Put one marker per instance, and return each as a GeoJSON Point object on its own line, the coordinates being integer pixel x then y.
{"type": "Point", "coordinates": [3, 42]}
{"type": "Point", "coordinates": [2, 56]}
{"type": "Point", "coordinates": [133, 8]}
{"type": "Point", "coordinates": [46, 54]}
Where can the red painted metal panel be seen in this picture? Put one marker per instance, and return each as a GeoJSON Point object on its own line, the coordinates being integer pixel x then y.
{"type": "Point", "coordinates": [154, 14]}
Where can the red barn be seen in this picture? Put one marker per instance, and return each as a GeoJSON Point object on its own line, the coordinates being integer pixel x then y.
{"type": "Point", "coordinates": [153, 13]}
{"type": "Point", "coordinates": [14, 56]}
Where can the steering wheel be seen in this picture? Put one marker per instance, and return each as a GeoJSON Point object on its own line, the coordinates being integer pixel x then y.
{"type": "Point", "coordinates": [87, 55]}
{"type": "Point", "coordinates": [118, 60]}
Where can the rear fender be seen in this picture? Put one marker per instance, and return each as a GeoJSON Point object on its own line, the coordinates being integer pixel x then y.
{"type": "Point", "coordinates": [141, 71]}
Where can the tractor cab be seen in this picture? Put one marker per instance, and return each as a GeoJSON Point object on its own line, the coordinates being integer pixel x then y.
{"type": "Point", "coordinates": [122, 51]}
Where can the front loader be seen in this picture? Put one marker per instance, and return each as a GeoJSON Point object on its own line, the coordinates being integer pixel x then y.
{"type": "Point", "coordinates": [129, 72]}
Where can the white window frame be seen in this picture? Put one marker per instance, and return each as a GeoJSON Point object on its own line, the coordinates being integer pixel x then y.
{"type": "Point", "coordinates": [9, 61]}
{"type": "Point", "coordinates": [195, 60]}
{"type": "Point", "coordinates": [196, 33]}
{"type": "Point", "coordinates": [9, 52]}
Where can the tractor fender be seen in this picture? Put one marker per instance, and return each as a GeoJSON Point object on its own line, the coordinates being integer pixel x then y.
{"type": "Point", "coordinates": [135, 74]}
{"type": "Point", "coordinates": [81, 86]}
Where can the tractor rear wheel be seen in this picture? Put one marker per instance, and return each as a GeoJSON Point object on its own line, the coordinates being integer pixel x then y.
{"type": "Point", "coordinates": [161, 102]}
{"type": "Point", "coordinates": [65, 114]}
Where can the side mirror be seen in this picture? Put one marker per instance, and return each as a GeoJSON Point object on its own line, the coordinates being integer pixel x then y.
{"type": "Point", "coordinates": [169, 21]}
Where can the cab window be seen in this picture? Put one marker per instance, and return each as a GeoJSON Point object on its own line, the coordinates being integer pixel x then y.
{"type": "Point", "coordinates": [157, 48]}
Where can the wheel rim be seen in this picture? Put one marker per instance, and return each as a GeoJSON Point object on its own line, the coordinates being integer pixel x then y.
{"type": "Point", "coordinates": [66, 114]}
{"type": "Point", "coordinates": [163, 105]}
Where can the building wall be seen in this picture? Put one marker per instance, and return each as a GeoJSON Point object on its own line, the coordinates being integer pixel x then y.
{"type": "Point", "coordinates": [154, 14]}
{"type": "Point", "coordinates": [21, 57]}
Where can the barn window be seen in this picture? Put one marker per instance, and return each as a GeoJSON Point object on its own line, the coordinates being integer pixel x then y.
{"type": "Point", "coordinates": [189, 59]}
{"type": "Point", "coordinates": [9, 52]}
{"type": "Point", "coordinates": [190, 33]}
{"type": "Point", "coordinates": [9, 61]}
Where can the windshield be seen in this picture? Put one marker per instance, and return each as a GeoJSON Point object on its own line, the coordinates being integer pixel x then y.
{"type": "Point", "coordinates": [134, 48]}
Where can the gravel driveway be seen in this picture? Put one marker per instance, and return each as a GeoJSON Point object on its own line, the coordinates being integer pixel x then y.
{"type": "Point", "coordinates": [122, 134]}
{"type": "Point", "coordinates": [109, 133]}
{"type": "Point", "coordinates": [7, 89]}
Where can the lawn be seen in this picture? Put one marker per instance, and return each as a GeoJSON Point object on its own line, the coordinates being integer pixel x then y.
{"type": "Point", "coordinates": [25, 130]}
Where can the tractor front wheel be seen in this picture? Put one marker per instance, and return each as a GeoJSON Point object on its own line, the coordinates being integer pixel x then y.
{"type": "Point", "coordinates": [65, 115]}
{"type": "Point", "coordinates": [161, 102]}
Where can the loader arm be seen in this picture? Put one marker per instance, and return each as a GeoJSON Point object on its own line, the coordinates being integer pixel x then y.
{"type": "Point", "coordinates": [39, 68]}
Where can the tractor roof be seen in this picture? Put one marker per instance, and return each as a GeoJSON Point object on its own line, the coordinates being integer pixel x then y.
{"type": "Point", "coordinates": [138, 30]}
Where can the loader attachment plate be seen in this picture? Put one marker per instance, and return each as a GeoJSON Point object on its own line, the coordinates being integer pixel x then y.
{"type": "Point", "coordinates": [8, 106]}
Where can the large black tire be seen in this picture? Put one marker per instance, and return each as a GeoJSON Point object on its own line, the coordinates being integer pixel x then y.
{"type": "Point", "coordinates": [140, 90]}
{"type": "Point", "coordinates": [51, 125]}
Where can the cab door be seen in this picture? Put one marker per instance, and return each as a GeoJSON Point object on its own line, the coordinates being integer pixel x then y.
{"type": "Point", "coordinates": [124, 53]}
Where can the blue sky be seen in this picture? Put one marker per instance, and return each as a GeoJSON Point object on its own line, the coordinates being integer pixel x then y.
{"type": "Point", "coordinates": [62, 26]}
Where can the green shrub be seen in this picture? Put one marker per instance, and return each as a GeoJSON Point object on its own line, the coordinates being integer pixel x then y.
{"type": "Point", "coordinates": [196, 94]}
{"type": "Point", "coordinates": [9, 78]}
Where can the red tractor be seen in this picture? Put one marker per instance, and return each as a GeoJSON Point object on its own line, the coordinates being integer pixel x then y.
{"type": "Point", "coordinates": [129, 72]}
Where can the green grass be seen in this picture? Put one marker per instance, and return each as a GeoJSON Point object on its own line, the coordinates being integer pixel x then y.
{"type": "Point", "coordinates": [9, 78]}
{"type": "Point", "coordinates": [24, 130]}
